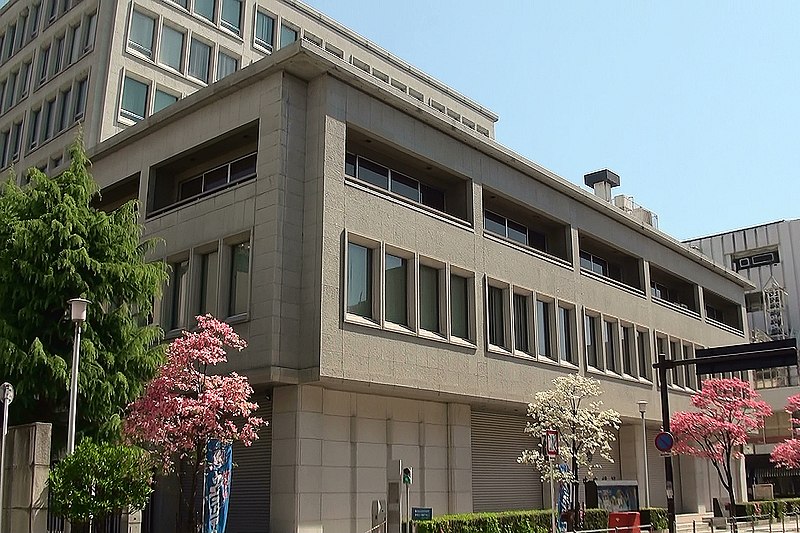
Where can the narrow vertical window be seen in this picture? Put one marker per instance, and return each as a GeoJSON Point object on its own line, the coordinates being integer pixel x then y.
{"type": "Point", "coordinates": [677, 372]}
{"type": "Point", "coordinates": [610, 340]}
{"type": "Point", "coordinates": [209, 274]}
{"type": "Point", "coordinates": [265, 31]}
{"type": "Point", "coordinates": [205, 8]}
{"type": "Point", "coordinates": [359, 280]}
{"type": "Point", "coordinates": [140, 35]}
{"type": "Point", "coordinates": [590, 336]}
{"type": "Point", "coordinates": [689, 380]}
{"type": "Point", "coordinates": [231, 18]}
{"type": "Point", "coordinates": [44, 57]}
{"type": "Point", "coordinates": [643, 350]}
{"type": "Point", "coordinates": [521, 336]}
{"type": "Point", "coordinates": [628, 355]}
{"type": "Point", "coordinates": [396, 300]}
{"type": "Point", "coordinates": [80, 99]}
{"type": "Point", "coordinates": [199, 60]}
{"type": "Point", "coordinates": [288, 35]}
{"type": "Point", "coordinates": [134, 99]}
{"type": "Point", "coordinates": [240, 279]}
{"type": "Point", "coordinates": [496, 317]}
{"type": "Point", "coordinates": [88, 34]}
{"type": "Point", "coordinates": [171, 49]}
{"type": "Point", "coordinates": [65, 112]}
{"type": "Point", "coordinates": [226, 65]}
{"type": "Point", "coordinates": [459, 306]}
{"type": "Point", "coordinates": [429, 298]}
{"type": "Point", "coordinates": [565, 350]}
{"type": "Point", "coordinates": [163, 99]}
{"type": "Point", "coordinates": [544, 339]}
{"type": "Point", "coordinates": [178, 295]}
{"type": "Point", "coordinates": [33, 128]}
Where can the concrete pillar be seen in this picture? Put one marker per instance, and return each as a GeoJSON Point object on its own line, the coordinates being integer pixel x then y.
{"type": "Point", "coordinates": [27, 467]}
{"type": "Point", "coordinates": [632, 464]}
{"type": "Point", "coordinates": [459, 445]}
{"type": "Point", "coordinates": [739, 479]}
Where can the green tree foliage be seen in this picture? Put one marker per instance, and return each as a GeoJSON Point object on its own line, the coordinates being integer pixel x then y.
{"type": "Point", "coordinates": [54, 245]}
{"type": "Point", "coordinates": [99, 480]}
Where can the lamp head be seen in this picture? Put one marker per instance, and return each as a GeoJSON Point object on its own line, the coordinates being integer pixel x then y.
{"type": "Point", "coordinates": [642, 406]}
{"type": "Point", "coordinates": [7, 392]}
{"type": "Point", "coordinates": [77, 309]}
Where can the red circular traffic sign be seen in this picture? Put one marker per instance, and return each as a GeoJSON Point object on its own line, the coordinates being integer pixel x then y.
{"type": "Point", "coordinates": [664, 441]}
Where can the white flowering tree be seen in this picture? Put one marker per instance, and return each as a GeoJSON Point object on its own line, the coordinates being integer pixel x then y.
{"type": "Point", "coordinates": [585, 429]}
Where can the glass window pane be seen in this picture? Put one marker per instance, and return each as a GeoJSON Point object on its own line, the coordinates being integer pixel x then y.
{"type": "Point", "coordinates": [590, 333]}
{"type": "Point", "coordinates": [243, 168]}
{"type": "Point", "coordinates": [141, 33]}
{"type": "Point", "coordinates": [359, 280]}
{"type": "Point", "coordinates": [459, 310]}
{"type": "Point", "coordinates": [288, 35]}
{"type": "Point", "coordinates": [496, 324]}
{"type": "Point", "coordinates": [429, 298]}
{"type": "Point", "coordinates": [494, 223]}
{"type": "Point", "coordinates": [545, 344]}
{"type": "Point", "coordinates": [396, 290]}
{"type": "Point", "coordinates": [565, 335]}
{"type": "Point", "coordinates": [190, 188]}
{"type": "Point", "coordinates": [179, 297]}
{"type": "Point", "coordinates": [80, 102]}
{"type": "Point", "coordinates": [209, 274]}
{"type": "Point", "coordinates": [216, 178]}
{"type": "Point", "coordinates": [517, 232]}
{"type": "Point", "coordinates": [240, 279]}
{"type": "Point", "coordinates": [171, 51]}
{"type": "Point", "coordinates": [431, 197]}
{"type": "Point", "coordinates": [204, 8]}
{"type": "Point", "coordinates": [373, 173]}
{"type": "Point", "coordinates": [609, 338]}
{"type": "Point", "coordinates": [627, 350]}
{"type": "Point", "coordinates": [163, 100]}
{"type": "Point", "coordinates": [226, 65]}
{"type": "Point", "coordinates": [265, 30]}
{"type": "Point", "coordinates": [405, 186]}
{"type": "Point", "coordinates": [350, 165]}
{"type": "Point", "coordinates": [199, 58]}
{"type": "Point", "coordinates": [521, 340]}
{"type": "Point", "coordinates": [134, 99]}
{"type": "Point", "coordinates": [232, 15]}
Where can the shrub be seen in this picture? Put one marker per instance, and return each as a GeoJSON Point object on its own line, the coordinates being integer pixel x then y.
{"type": "Point", "coordinates": [595, 519]}
{"type": "Point", "coordinates": [658, 517]}
{"type": "Point", "coordinates": [536, 521]}
{"type": "Point", "coordinates": [100, 479]}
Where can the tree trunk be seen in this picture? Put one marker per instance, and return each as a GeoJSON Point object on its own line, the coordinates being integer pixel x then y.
{"type": "Point", "coordinates": [731, 495]}
{"type": "Point", "coordinates": [575, 492]}
{"type": "Point", "coordinates": [192, 521]}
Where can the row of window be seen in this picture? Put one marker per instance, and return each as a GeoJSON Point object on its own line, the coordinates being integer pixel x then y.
{"type": "Point", "coordinates": [64, 50]}
{"type": "Point", "coordinates": [22, 31]}
{"type": "Point", "coordinates": [398, 290]}
{"type": "Point", "coordinates": [173, 47]}
{"type": "Point", "coordinates": [55, 115]}
{"type": "Point", "coordinates": [380, 176]}
{"type": "Point", "coordinates": [140, 98]}
{"type": "Point", "coordinates": [210, 279]}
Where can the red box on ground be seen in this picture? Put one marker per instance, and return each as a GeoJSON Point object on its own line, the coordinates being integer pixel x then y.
{"type": "Point", "coordinates": [628, 522]}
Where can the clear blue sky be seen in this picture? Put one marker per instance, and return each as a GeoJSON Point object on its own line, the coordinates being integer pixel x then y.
{"type": "Point", "coordinates": [696, 105]}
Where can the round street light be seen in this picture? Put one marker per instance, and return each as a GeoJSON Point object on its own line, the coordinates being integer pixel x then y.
{"type": "Point", "coordinates": [642, 411]}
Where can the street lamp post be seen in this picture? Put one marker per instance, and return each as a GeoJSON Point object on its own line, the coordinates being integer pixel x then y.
{"type": "Point", "coordinates": [78, 316]}
{"type": "Point", "coordinates": [7, 396]}
{"type": "Point", "coordinates": [642, 411]}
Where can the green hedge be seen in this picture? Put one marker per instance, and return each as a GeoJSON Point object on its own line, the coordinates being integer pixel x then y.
{"type": "Point", "coordinates": [595, 519]}
{"type": "Point", "coordinates": [537, 521]}
{"type": "Point", "coordinates": [658, 517]}
{"type": "Point", "coordinates": [774, 508]}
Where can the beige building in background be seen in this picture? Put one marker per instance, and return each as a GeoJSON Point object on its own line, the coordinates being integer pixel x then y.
{"type": "Point", "coordinates": [405, 282]}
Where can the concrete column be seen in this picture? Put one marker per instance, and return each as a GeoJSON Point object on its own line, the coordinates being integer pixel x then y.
{"type": "Point", "coordinates": [632, 463]}
{"type": "Point", "coordinates": [27, 467]}
{"type": "Point", "coordinates": [459, 444]}
{"type": "Point", "coordinates": [739, 479]}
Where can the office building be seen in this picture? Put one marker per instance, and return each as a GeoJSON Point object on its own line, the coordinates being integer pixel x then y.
{"type": "Point", "coordinates": [405, 282]}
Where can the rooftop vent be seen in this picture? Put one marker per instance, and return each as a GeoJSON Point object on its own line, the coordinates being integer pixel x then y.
{"type": "Point", "coordinates": [602, 181]}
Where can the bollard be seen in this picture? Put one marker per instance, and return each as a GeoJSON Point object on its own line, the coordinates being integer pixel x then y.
{"type": "Point", "coordinates": [694, 526]}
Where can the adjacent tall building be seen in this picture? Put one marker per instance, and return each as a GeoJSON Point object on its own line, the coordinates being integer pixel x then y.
{"type": "Point", "coordinates": [769, 256]}
{"type": "Point", "coordinates": [405, 282]}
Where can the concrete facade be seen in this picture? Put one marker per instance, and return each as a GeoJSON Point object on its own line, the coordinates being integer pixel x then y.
{"type": "Point", "coordinates": [768, 256]}
{"type": "Point", "coordinates": [405, 367]}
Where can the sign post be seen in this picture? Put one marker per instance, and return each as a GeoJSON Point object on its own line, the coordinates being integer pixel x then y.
{"type": "Point", "coordinates": [551, 447]}
{"type": "Point", "coordinates": [408, 478]}
{"type": "Point", "coordinates": [7, 396]}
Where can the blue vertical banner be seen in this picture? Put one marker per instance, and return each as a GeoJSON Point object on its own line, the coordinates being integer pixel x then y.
{"type": "Point", "coordinates": [219, 464]}
{"type": "Point", "coordinates": [564, 498]}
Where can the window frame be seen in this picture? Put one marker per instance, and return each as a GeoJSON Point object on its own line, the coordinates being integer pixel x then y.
{"type": "Point", "coordinates": [611, 339]}
{"type": "Point", "coordinates": [441, 295]}
{"type": "Point", "coordinates": [570, 333]}
{"type": "Point", "coordinates": [257, 41]}
{"type": "Point", "coordinates": [593, 318]}
{"type": "Point", "coordinates": [504, 306]}
{"type": "Point", "coordinates": [529, 324]}
{"type": "Point", "coordinates": [374, 280]}
{"type": "Point", "coordinates": [409, 260]}
{"type": "Point", "coordinates": [230, 244]}
{"type": "Point", "coordinates": [209, 62]}
{"type": "Point", "coordinates": [543, 301]}
{"type": "Point", "coordinates": [127, 116]}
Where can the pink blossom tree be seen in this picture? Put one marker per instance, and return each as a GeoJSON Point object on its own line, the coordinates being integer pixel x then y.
{"type": "Point", "coordinates": [184, 407]}
{"type": "Point", "coordinates": [787, 453]}
{"type": "Point", "coordinates": [728, 411]}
